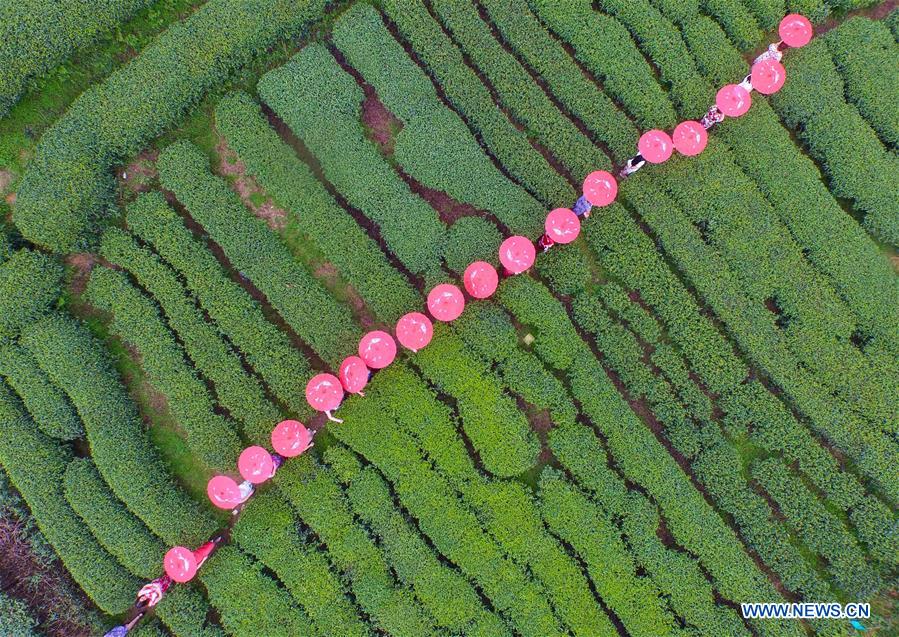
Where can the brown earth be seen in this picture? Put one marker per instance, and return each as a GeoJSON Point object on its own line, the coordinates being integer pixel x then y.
{"type": "Point", "coordinates": [246, 187]}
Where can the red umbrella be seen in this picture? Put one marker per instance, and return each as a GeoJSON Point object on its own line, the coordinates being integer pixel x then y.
{"type": "Point", "coordinates": [480, 279]}
{"type": "Point", "coordinates": [223, 492]}
{"type": "Point", "coordinates": [324, 393]}
{"type": "Point", "coordinates": [290, 438]}
{"type": "Point", "coordinates": [562, 225]}
{"type": "Point", "coordinates": [689, 138]}
{"type": "Point", "coordinates": [795, 30]}
{"type": "Point", "coordinates": [517, 254]}
{"type": "Point", "coordinates": [600, 188]}
{"type": "Point", "coordinates": [655, 146]}
{"type": "Point", "coordinates": [445, 302]}
{"type": "Point", "coordinates": [414, 330]}
{"type": "Point", "coordinates": [204, 552]}
{"type": "Point", "coordinates": [180, 564]}
{"type": "Point", "coordinates": [256, 465]}
{"type": "Point", "coordinates": [768, 76]}
{"type": "Point", "coordinates": [377, 349]}
{"type": "Point", "coordinates": [354, 374]}
{"type": "Point", "coordinates": [733, 100]}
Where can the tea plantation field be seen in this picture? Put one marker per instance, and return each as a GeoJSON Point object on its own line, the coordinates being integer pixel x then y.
{"type": "Point", "coordinates": [692, 406]}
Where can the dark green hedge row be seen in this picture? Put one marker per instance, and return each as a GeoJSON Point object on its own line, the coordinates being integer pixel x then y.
{"type": "Point", "coordinates": [442, 515]}
{"type": "Point", "coordinates": [258, 254]}
{"type": "Point", "coordinates": [516, 90]}
{"type": "Point", "coordinates": [866, 54]}
{"type": "Point", "coordinates": [465, 93]}
{"type": "Point", "coordinates": [314, 493]}
{"type": "Point", "coordinates": [6, 248]}
{"type": "Point", "coordinates": [36, 35]}
{"type": "Point", "coordinates": [742, 231]}
{"type": "Point", "coordinates": [445, 592]}
{"type": "Point", "coordinates": [830, 239]}
{"type": "Point", "coordinates": [677, 574]}
{"type": "Point", "coordinates": [614, 59]}
{"type": "Point", "coordinates": [858, 166]}
{"type": "Point", "coordinates": [736, 20]}
{"type": "Point", "coordinates": [659, 39]}
{"type": "Point", "coordinates": [30, 282]}
{"type": "Point", "coordinates": [117, 530]}
{"type": "Point", "coordinates": [248, 601]}
{"type": "Point", "coordinates": [70, 175]}
{"type": "Point", "coordinates": [234, 311]}
{"type": "Point", "coordinates": [135, 319]}
{"type": "Point", "coordinates": [268, 530]}
{"type": "Point", "coordinates": [15, 618]}
{"type": "Point", "coordinates": [637, 452]}
{"type": "Point", "coordinates": [634, 599]}
{"type": "Point", "coordinates": [471, 239]}
{"type": "Point", "coordinates": [820, 529]}
{"type": "Point", "coordinates": [752, 328]}
{"type": "Point", "coordinates": [522, 31]}
{"type": "Point", "coordinates": [46, 403]}
{"type": "Point", "coordinates": [434, 145]}
{"type": "Point", "coordinates": [322, 104]}
{"type": "Point", "coordinates": [312, 210]}
{"type": "Point", "coordinates": [718, 60]}
{"type": "Point", "coordinates": [126, 459]}
{"type": "Point", "coordinates": [185, 611]}
{"type": "Point", "coordinates": [36, 465]}
{"type": "Point", "coordinates": [235, 390]}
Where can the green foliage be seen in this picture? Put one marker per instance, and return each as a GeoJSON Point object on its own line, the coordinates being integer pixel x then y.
{"type": "Point", "coordinates": [312, 210]}
{"type": "Point", "coordinates": [236, 390]}
{"type": "Point", "coordinates": [522, 31]}
{"type": "Point", "coordinates": [234, 311]}
{"type": "Point", "coordinates": [434, 145]}
{"type": "Point", "coordinates": [30, 282]}
{"type": "Point", "coordinates": [465, 93]}
{"type": "Point", "coordinates": [70, 173]}
{"type": "Point", "coordinates": [254, 251]}
{"type": "Point", "coordinates": [136, 320]}
{"type": "Point", "coordinates": [45, 402]}
{"type": "Point", "coordinates": [471, 239]}
{"type": "Point", "coordinates": [39, 34]}
{"type": "Point", "coordinates": [15, 620]}
{"type": "Point", "coordinates": [321, 104]}
{"type": "Point", "coordinates": [77, 363]}
{"type": "Point", "coordinates": [117, 530]}
{"type": "Point", "coordinates": [736, 20]}
{"type": "Point", "coordinates": [856, 163]}
{"type": "Point", "coordinates": [867, 57]}
{"type": "Point", "coordinates": [36, 465]}
{"type": "Point", "coordinates": [614, 59]}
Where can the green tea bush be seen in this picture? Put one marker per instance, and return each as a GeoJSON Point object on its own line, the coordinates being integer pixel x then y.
{"type": "Point", "coordinates": [312, 210]}
{"type": "Point", "coordinates": [135, 319]}
{"type": "Point", "coordinates": [266, 348]}
{"type": "Point", "coordinates": [30, 283]}
{"type": "Point", "coordinates": [129, 464]}
{"type": "Point", "coordinates": [36, 35]}
{"type": "Point", "coordinates": [45, 402]}
{"type": "Point", "coordinates": [736, 20]}
{"type": "Point", "coordinates": [258, 254]}
{"type": "Point", "coordinates": [472, 239]}
{"type": "Point", "coordinates": [70, 173]}
{"type": "Point", "coordinates": [236, 390]}
{"type": "Point", "coordinates": [15, 618]}
{"type": "Point", "coordinates": [36, 465]}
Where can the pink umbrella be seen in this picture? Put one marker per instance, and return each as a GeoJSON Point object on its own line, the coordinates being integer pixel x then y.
{"type": "Point", "coordinates": [290, 438]}
{"type": "Point", "coordinates": [180, 564]}
{"type": "Point", "coordinates": [655, 146]}
{"type": "Point", "coordinates": [480, 279]}
{"type": "Point", "coordinates": [354, 374]}
{"type": "Point", "coordinates": [445, 302]}
{"type": "Point", "coordinates": [689, 138]}
{"type": "Point", "coordinates": [517, 254]}
{"type": "Point", "coordinates": [414, 330]}
{"type": "Point", "coordinates": [600, 188]}
{"type": "Point", "coordinates": [768, 76]}
{"type": "Point", "coordinates": [324, 393]}
{"type": "Point", "coordinates": [733, 100]}
{"type": "Point", "coordinates": [223, 492]}
{"type": "Point", "coordinates": [795, 30]}
{"type": "Point", "coordinates": [562, 225]}
{"type": "Point", "coordinates": [256, 465]}
{"type": "Point", "coordinates": [377, 349]}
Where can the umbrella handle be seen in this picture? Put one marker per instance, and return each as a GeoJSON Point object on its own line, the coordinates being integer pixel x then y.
{"type": "Point", "coordinates": [332, 418]}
